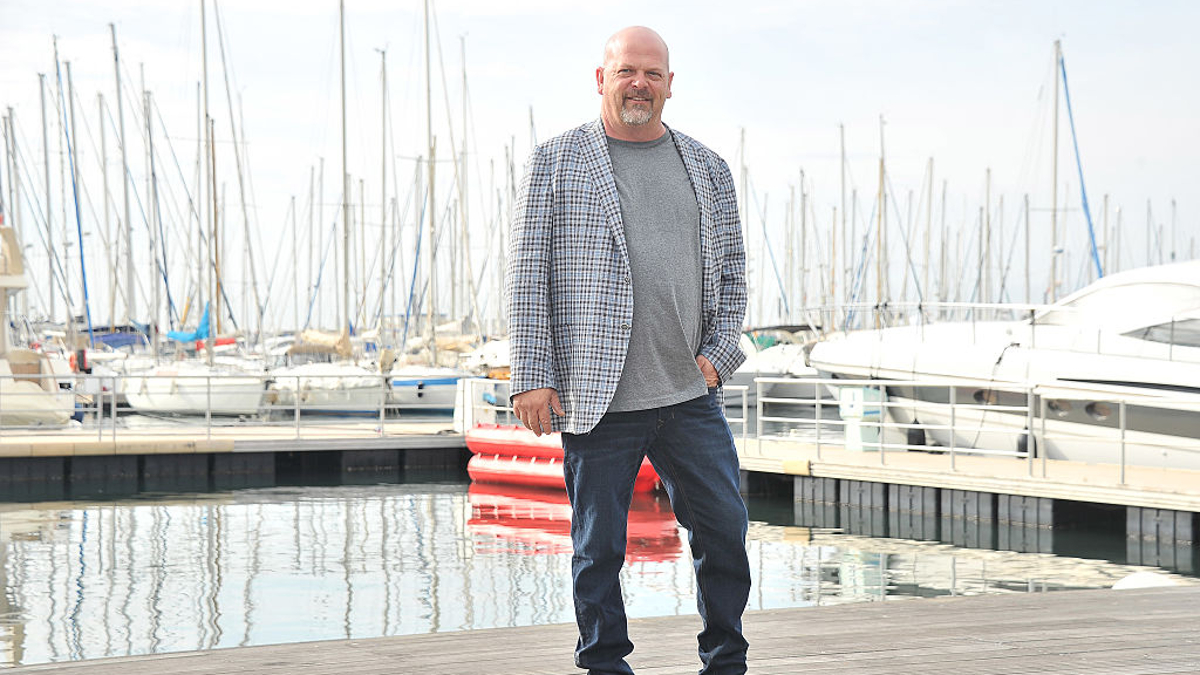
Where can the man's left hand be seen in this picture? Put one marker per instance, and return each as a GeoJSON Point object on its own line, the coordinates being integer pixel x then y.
{"type": "Point", "coordinates": [710, 374]}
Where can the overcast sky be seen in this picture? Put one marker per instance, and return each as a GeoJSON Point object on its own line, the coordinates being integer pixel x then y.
{"type": "Point", "coordinates": [967, 84]}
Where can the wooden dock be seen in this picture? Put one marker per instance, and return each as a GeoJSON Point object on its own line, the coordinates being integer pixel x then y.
{"type": "Point", "coordinates": [1099, 632]}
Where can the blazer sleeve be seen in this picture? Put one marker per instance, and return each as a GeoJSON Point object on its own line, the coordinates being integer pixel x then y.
{"type": "Point", "coordinates": [722, 347]}
{"type": "Point", "coordinates": [527, 279]}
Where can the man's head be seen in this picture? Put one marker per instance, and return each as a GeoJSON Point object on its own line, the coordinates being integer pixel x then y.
{"type": "Point", "coordinates": [635, 81]}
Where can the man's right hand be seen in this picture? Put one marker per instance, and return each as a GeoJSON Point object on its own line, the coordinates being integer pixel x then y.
{"type": "Point", "coordinates": [533, 408]}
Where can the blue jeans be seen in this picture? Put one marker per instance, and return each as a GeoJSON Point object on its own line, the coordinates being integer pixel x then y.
{"type": "Point", "coordinates": [692, 450]}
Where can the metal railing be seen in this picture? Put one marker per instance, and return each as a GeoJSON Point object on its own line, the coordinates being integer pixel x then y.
{"type": "Point", "coordinates": [872, 417]}
{"type": "Point", "coordinates": [486, 402]}
{"type": "Point", "coordinates": [883, 417]}
{"type": "Point", "coordinates": [189, 404]}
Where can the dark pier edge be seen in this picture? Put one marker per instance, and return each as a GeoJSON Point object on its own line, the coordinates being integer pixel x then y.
{"type": "Point", "coordinates": [36, 479]}
{"type": "Point", "coordinates": [1140, 536]}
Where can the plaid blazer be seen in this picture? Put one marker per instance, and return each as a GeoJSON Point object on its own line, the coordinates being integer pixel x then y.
{"type": "Point", "coordinates": [567, 287]}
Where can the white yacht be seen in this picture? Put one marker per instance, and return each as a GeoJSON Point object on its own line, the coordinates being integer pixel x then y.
{"type": "Point", "coordinates": [775, 352]}
{"type": "Point", "coordinates": [1115, 365]}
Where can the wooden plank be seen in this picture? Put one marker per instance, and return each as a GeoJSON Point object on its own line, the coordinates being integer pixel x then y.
{"type": "Point", "coordinates": [1133, 632]}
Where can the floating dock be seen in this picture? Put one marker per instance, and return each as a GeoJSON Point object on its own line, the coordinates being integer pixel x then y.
{"type": "Point", "coordinates": [39, 465]}
{"type": "Point", "coordinates": [981, 501]}
{"type": "Point", "coordinates": [1098, 632]}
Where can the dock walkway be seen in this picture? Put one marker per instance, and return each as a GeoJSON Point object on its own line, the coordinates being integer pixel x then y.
{"type": "Point", "coordinates": [1139, 486]}
{"type": "Point", "coordinates": [1129, 632]}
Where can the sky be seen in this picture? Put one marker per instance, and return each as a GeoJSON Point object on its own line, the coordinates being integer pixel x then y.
{"type": "Point", "coordinates": [773, 86]}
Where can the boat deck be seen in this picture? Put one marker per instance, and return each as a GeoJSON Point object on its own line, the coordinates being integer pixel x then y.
{"type": "Point", "coordinates": [1098, 632]}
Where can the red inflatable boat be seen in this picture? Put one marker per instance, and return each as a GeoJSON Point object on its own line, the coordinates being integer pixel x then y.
{"type": "Point", "coordinates": [512, 454]}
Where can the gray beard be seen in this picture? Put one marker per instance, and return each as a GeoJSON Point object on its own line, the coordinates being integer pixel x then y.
{"type": "Point", "coordinates": [635, 116]}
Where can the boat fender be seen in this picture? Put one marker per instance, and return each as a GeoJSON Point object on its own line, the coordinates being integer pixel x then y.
{"type": "Point", "coordinates": [915, 436]}
{"type": "Point", "coordinates": [79, 362]}
{"type": "Point", "coordinates": [1026, 444]}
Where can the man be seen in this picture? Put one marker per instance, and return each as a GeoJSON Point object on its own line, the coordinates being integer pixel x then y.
{"type": "Point", "coordinates": [625, 294]}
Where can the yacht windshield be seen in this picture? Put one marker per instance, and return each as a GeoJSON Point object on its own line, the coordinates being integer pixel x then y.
{"type": "Point", "coordinates": [1125, 306]}
{"type": "Point", "coordinates": [1184, 332]}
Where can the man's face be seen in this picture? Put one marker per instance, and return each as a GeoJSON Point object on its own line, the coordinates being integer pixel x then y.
{"type": "Point", "coordinates": [634, 81]}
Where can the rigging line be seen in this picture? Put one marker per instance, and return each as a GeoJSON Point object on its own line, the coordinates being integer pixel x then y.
{"type": "Point", "coordinates": [288, 217]}
{"type": "Point", "coordinates": [40, 212]}
{"type": "Point", "coordinates": [172, 308]}
{"type": "Point", "coordinates": [904, 239]}
{"type": "Point", "coordinates": [762, 218]}
{"type": "Point", "coordinates": [413, 281]}
{"type": "Point", "coordinates": [321, 269]}
{"type": "Point", "coordinates": [1012, 251]}
{"type": "Point", "coordinates": [238, 142]}
{"type": "Point", "coordinates": [1062, 64]}
{"type": "Point", "coordinates": [818, 246]}
{"type": "Point", "coordinates": [78, 221]}
{"type": "Point", "coordinates": [162, 241]}
{"type": "Point", "coordinates": [861, 274]}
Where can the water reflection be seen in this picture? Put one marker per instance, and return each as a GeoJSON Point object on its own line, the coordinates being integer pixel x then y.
{"type": "Point", "coordinates": [506, 518]}
{"type": "Point", "coordinates": [294, 564]}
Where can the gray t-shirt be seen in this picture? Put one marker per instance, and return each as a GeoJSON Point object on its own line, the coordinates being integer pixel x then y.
{"type": "Point", "coordinates": [662, 232]}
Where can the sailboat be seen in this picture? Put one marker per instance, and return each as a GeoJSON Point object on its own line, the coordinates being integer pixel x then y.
{"type": "Point", "coordinates": [319, 376]}
{"type": "Point", "coordinates": [225, 385]}
{"type": "Point", "coordinates": [30, 393]}
{"type": "Point", "coordinates": [222, 385]}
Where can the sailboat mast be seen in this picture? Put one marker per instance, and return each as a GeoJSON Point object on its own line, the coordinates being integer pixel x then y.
{"type": "Point", "coordinates": [345, 314]}
{"type": "Point", "coordinates": [1027, 281]}
{"type": "Point", "coordinates": [155, 219]}
{"type": "Point", "coordinates": [1054, 187]}
{"type": "Point", "coordinates": [127, 231]}
{"type": "Point", "coordinates": [14, 184]}
{"type": "Point", "coordinates": [210, 222]}
{"type": "Point", "coordinates": [49, 211]}
{"type": "Point", "coordinates": [846, 250]}
{"type": "Point", "coordinates": [112, 268]}
{"type": "Point", "coordinates": [71, 141]}
{"type": "Point", "coordinates": [879, 248]}
{"type": "Point", "coordinates": [430, 244]}
{"type": "Point", "coordinates": [386, 249]}
{"type": "Point", "coordinates": [985, 244]}
{"type": "Point", "coordinates": [928, 231]}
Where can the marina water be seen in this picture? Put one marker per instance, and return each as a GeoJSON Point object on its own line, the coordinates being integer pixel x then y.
{"type": "Point", "coordinates": [165, 573]}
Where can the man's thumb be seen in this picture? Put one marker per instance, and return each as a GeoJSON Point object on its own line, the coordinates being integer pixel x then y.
{"type": "Point", "coordinates": [556, 406]}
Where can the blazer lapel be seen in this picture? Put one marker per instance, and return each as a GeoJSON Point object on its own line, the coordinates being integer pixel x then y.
{"type": "Point", "coordinates": [698, 174]}
{"type": "Point", "coordinates": [594, 148]}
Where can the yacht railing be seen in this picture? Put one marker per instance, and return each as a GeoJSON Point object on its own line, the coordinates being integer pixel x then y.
{"type": "Point", "coordinates": [881, 419]}
{"type": "Point", "coordinates": [877, 417]}
{"type": "Point", "coordinates": [487, 402]}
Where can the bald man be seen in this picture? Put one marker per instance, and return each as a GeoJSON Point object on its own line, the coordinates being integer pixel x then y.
{"type": "Point", "coordinates": [625, 292]}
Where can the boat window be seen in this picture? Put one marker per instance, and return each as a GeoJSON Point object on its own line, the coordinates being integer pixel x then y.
{"type": "Point", "coordinates": [1059, 406]}
{"type": "Point", "coordinates": [1124, 304]}
{"type": "Point", "coordinates": [1099, 411]}
{"type": "Point", "coordinates": [987, 396]}
{"type": "Point", "coordinates": [1185, 332]}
